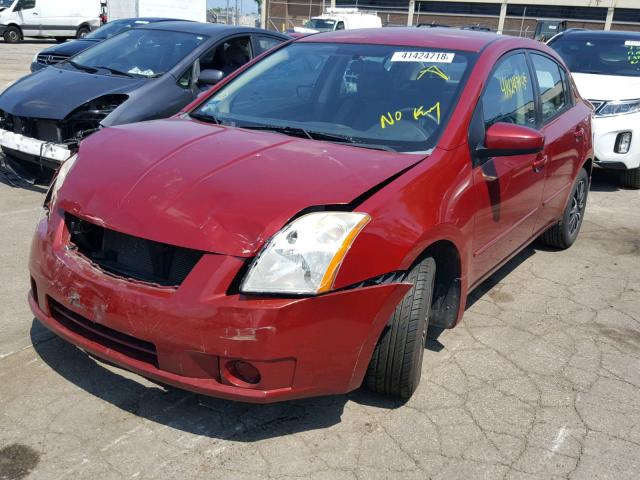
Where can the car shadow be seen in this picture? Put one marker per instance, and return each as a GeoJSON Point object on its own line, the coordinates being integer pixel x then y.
{"type": "Point", "coordinates": [193, 413]}
{"type": "Point", "coordinates": [606, 181]}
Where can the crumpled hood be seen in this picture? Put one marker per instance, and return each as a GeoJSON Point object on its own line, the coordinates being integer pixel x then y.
{"type": "Point", "coordinates": [607, 87]}
{"type": "Point", "coordinates": [213, 188]}
{"type": "Point", "coordinates": [31, 96]}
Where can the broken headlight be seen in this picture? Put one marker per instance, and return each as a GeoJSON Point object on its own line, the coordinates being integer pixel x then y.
{"type": "Point", "coordinates": [59, 181]}
{"type": "Point", "coordinates": [304, 257]}
{"type": "Point", "coordinates": [86, 119]}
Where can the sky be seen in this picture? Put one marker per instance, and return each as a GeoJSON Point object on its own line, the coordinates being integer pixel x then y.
{"type": "Point", "coordinates": [247, 6]}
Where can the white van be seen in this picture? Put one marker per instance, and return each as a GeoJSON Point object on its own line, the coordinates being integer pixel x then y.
{"type": "Point", "coordinates": [48, 18]}
{"type": "Point", "coordinates": [340, 19]}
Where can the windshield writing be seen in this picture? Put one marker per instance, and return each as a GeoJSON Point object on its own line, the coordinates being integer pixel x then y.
{"type": "Point", "coordinates": [358, 92]}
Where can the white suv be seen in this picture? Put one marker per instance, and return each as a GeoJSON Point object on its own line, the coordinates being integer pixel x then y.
{"type": "Point", "coordinates": [606, 69]}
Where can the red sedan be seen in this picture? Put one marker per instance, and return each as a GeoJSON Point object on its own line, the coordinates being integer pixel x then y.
{"type": "Point", "coordinates": [296, 230]}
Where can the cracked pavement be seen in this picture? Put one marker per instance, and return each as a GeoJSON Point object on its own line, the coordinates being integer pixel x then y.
{"type": "Point", "coordinates": [540, 381]}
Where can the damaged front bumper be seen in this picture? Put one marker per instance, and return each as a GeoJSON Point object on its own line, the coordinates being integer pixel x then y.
{"type": "Point", "coordinates": [39, 151]}
{"type": "Point", "coordinates": [192, 336]}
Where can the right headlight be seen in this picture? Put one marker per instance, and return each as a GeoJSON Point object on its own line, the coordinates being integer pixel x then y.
{"type": "Point", "coordinates": [60, 177]}
{"type": "Point", "coordinates": [623, 107]}
{"type": "Point", "coordinates": [304, 257]}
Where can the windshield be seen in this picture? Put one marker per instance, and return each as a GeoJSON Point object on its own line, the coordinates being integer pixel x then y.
{"type": "Point", "coordinates": [114, 28]}
{"type": "Point", "coordinates": [322, 25]}
{"type": "Point", "coordinates": [5, 3]}
{"type": "Point", "coordinates": [600, 55]}
{"type": "Point", "coordinates": [386, 97]}
{"type": "Point", "coordinates": [139, 52]}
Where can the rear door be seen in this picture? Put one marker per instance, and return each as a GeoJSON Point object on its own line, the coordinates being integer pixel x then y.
{"type": "Point", "coordinates": [564, 127]}
{"type": "Point", "coordinates": [508, 189]}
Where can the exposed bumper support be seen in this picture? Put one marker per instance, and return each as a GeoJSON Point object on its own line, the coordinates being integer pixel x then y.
{"type": "Point", "coordinates": [52, 152]}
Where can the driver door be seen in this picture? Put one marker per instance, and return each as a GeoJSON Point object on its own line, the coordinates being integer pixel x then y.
{"type": "Point", "coordinates": [508, 189]}
{"type": "Point", "coordinates": [28, 15]}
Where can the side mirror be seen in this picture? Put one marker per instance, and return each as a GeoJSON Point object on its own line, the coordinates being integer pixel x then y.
{"type": "Point", "coordinates": [210, 77]}
{"type": "Point", "coordinates": [508, 140]}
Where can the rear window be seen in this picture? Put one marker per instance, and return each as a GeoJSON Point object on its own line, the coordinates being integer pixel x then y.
{"type": "Point", "coordinates": [600, 55]}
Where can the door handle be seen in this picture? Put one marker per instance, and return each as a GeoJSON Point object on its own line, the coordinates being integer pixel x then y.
{"type": "Point", "coordinates": [579, 134]}
{"type": "Point", "coordinates": [539, 163]}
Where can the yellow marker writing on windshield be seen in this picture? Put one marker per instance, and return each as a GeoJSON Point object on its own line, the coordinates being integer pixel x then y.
{"type": "Point", "coordinates": [420, 112]}
{"type": "Point", "coordinates": [433, 70]}
{"type": "Point", "coordinates": [389, 119]}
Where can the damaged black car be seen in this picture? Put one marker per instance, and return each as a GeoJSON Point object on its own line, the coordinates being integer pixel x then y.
{"type": "Point", "coordinates": [145, 73]}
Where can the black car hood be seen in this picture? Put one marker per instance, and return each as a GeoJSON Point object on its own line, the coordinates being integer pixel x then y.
{"type": "Point", "coordinates": [68, 49]}
{"type": "Point", "coordinates": [53, 93]}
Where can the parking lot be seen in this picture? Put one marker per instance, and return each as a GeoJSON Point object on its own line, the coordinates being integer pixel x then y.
{"type": "Point", "coordinates": [540, 380]}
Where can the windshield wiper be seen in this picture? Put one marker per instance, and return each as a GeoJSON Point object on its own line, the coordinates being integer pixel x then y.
{"type": "Point", "coordinates": [293, 131]}
{"type": "Point", "coordinates": [311, 135]}
{"type": "Point", "coordinates": [205, 118]}
{"type": "Point", "coordinates": [83, 68]}
{"type": "Point", "coordinates": [116, 72]}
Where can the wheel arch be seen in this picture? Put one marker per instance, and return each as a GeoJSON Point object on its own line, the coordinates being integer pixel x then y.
{"type": "Point", "coordinates": [448, 286]}
{"type": "Point", "coordinates": [18, 27]}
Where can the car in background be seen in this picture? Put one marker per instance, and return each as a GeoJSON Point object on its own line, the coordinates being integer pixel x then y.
{"type": "Point", "coordinates": [60, 53]}
{"type": "Point", "coordinates": [144, 73]}
{"type": "Point", "coordinates": [61, 19]}
{"type": "Point", "coordinates": [606, 68]}
{"type": "Point", "coordinates": [296, 229]}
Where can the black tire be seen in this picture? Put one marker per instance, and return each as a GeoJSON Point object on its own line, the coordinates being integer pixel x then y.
{"type": "Point", "coordinates": [631, 178]}
{"type": "Point", "coordinates": [564, 233]}
{"type": "Point", "coordinates": [12, 34]}
{"type": "Point", "coordinates": [83, 31]}
{"type": "Point", "coordinates": [396, 364]}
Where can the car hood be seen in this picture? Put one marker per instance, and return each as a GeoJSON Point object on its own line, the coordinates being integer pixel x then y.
{"type": "Point", "coordinates": [31, 96]}
{"type": "Point", "coordinates": [68, 49]}
{"type": "Point", "coordinates": [212, 188]}
{"type": "Point", "coordinates": [607, 87]}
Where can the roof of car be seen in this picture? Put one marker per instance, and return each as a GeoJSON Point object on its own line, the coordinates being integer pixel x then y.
{"type": "Point", "coordinates": [440, 38]}
{"type": "Point", "coordinates": [200, 28]}
{"type": "Point", "coordinates": [581, 33]}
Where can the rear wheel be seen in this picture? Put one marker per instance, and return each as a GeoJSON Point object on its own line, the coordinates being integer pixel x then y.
{"type": "Point", "coordinates": [396, 364]}
{"type": "Point", "coordinates": [12, 34]}
{"type": "Point", "coordinates": [564, 233]}
{"type": "Point", "coordinates": [631, 178]}
{"type": "Point", "coordinates": [83, 32]}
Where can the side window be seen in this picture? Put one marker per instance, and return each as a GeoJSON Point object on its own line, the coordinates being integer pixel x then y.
{"type": "Point", "coordinates": [266, 43]}
{"type": "Point", "coordinates": [553, 94]}
{"type": "Point", "coordinates": [340, 26]}
{"type": "Point", "coordinates": [509, 94]}
{"type": "Point", "coordinates": [25, 5]}
{"type": "Point", "coordinates": [226, 57]}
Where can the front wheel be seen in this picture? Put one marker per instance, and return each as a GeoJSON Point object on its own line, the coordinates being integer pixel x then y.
{"type": "Point", "coordinates": [12, 35]}
{"type": "Point", "coordinates": [83, 32]}
{"type": "Point", "coordinates": [631, 178]}
{"type": "Point", "coordinates": [396, 364]}
{"type": "Point", "coordinates": [564, 233]}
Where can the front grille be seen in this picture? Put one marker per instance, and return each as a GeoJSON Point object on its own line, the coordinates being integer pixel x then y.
{"type": "Point", "coordinates": [132, 347]}
{"type": "Point", "coordinates": [46, 59]}
{"type": "Point", "coordinates": [132, 257]}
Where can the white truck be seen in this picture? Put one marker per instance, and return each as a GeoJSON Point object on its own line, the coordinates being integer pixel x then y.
{"type": "Point", "coordinates": [340, 19]}
{"type": "Point", "coordinates": [61, 19]}
{"type": "Point", "coordinates": [195, 10]}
